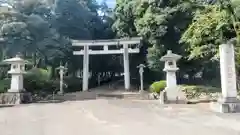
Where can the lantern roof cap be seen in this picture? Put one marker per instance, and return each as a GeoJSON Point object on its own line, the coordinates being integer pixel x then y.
{"type": "Point", "coordinates": [16, 59]}
{"type": "Point", "coordinates": [61, 67]}
{"type": "Point", "coordinates": [170, 56]}
{"type": "Point", "coordinates": [141, 66]}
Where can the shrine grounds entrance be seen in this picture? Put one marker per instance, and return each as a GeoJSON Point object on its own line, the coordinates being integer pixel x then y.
{"type": "Point", "coordinates": [122, 46]}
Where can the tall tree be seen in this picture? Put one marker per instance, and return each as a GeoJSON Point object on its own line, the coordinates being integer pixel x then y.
{"type": "Point", "coordinates": [25, 28]}
{"type": "Point", "coordinates": [160, 23]}
{"type": "Point", "coordinates": [212, 26]}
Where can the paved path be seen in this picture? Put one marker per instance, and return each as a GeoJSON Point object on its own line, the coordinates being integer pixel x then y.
{"type": "Point", "coordinates": [115, 117]}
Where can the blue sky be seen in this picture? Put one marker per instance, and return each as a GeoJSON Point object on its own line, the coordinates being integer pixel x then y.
{"type": "Point", "coordinates": [111, 3]}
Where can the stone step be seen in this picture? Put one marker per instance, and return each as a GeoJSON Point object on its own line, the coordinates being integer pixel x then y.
{"type": "Point", "coordinates": [76, 96]}
{"type": "Point", "coordinates": [93, 95]}
{"type": "Point", "coordinates": [139, 96]}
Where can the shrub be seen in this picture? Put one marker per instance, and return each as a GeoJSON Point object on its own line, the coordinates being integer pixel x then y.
{"type": "Point", "coordinates": [157, 87]}
{"type": "Point", "coordinates": [200, 88]}
{"type": "Point", "coordinates": [195, 91]}
{"type": "Point", "coordinates": [38, 74]}
{"type": "Point", "coordinates": [73, 84]}
{"type": "Point", "coordinates": [38, 80]}
{"type": "Point", "coordinates": [4, 85]}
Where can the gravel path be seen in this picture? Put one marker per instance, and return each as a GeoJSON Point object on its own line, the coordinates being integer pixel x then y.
{"type": "Point", "coordinates": [115, 117]}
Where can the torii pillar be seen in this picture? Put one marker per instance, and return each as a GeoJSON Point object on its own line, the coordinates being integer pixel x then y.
{"type": "Point", "coordinates": [85, 68]}
{"type": "Point", "coordinates": [126, 67]}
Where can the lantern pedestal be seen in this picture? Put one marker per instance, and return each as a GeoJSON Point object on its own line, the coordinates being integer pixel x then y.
{"type": "Point", "coordinates": [173, 96]}
{"type": "Point", "coordinates": [16, 94]}
{"type": "Point", "coordinates": [15, 98]}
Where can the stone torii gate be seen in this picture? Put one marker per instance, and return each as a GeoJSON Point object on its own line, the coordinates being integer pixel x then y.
{"type": "Point", "coordinates": [124, 49]}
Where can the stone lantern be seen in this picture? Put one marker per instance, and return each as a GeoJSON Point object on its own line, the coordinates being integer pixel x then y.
{"type": "Point", "coordinates": [141, 70]}
{"type": "Point", "coordinates": [62, 71]}
{"type": "Point", "coordinates": [173, 93]}
{"type": "Point", "coordinates": [16, 94]}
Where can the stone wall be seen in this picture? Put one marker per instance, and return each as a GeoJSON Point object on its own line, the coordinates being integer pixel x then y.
{"type": "Point", "coordinates": [15, 98]}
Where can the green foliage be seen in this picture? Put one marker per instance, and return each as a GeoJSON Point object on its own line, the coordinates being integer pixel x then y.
{"type": "Point", "coordinates": [4, 85]}
{"type": "Point", "coordinates": [26, 28]}
{"type": "Point", "coordinates": [195, 91]}
{"type": "Point", "coordinates": [42, 32]}
{"type": "Point", "coordinates": [157, 87]}
{"type": "Point", "coordinates": [199, 88]}
{"type": "Point", "coordinates": [124, 18]}
{"type": "Point", "coordinates": [39, 74]}
{"type": "Point", "coordinates": [38, 79]}
{"type": "Point", "coordinates": [161, 23]}
{"type": "Point", "coordinates": [73, 84]}
{"type": "Point", "coordinates": [211, 27]}
{"type": "Point", "coordinates": [213, 24]}
{"type": "Point", "coordinates": [154, 53]}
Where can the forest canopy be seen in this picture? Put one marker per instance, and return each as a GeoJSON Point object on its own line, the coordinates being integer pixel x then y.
{"type": "Point", "coordinates": [42, 30]}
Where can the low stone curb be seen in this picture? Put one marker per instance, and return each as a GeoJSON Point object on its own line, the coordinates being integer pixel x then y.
{"type": "Point", "coordinates": [201, 101]}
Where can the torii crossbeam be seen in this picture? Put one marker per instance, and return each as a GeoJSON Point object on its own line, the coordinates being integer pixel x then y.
{"type": "Point", "coordinates": [124, 48]}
